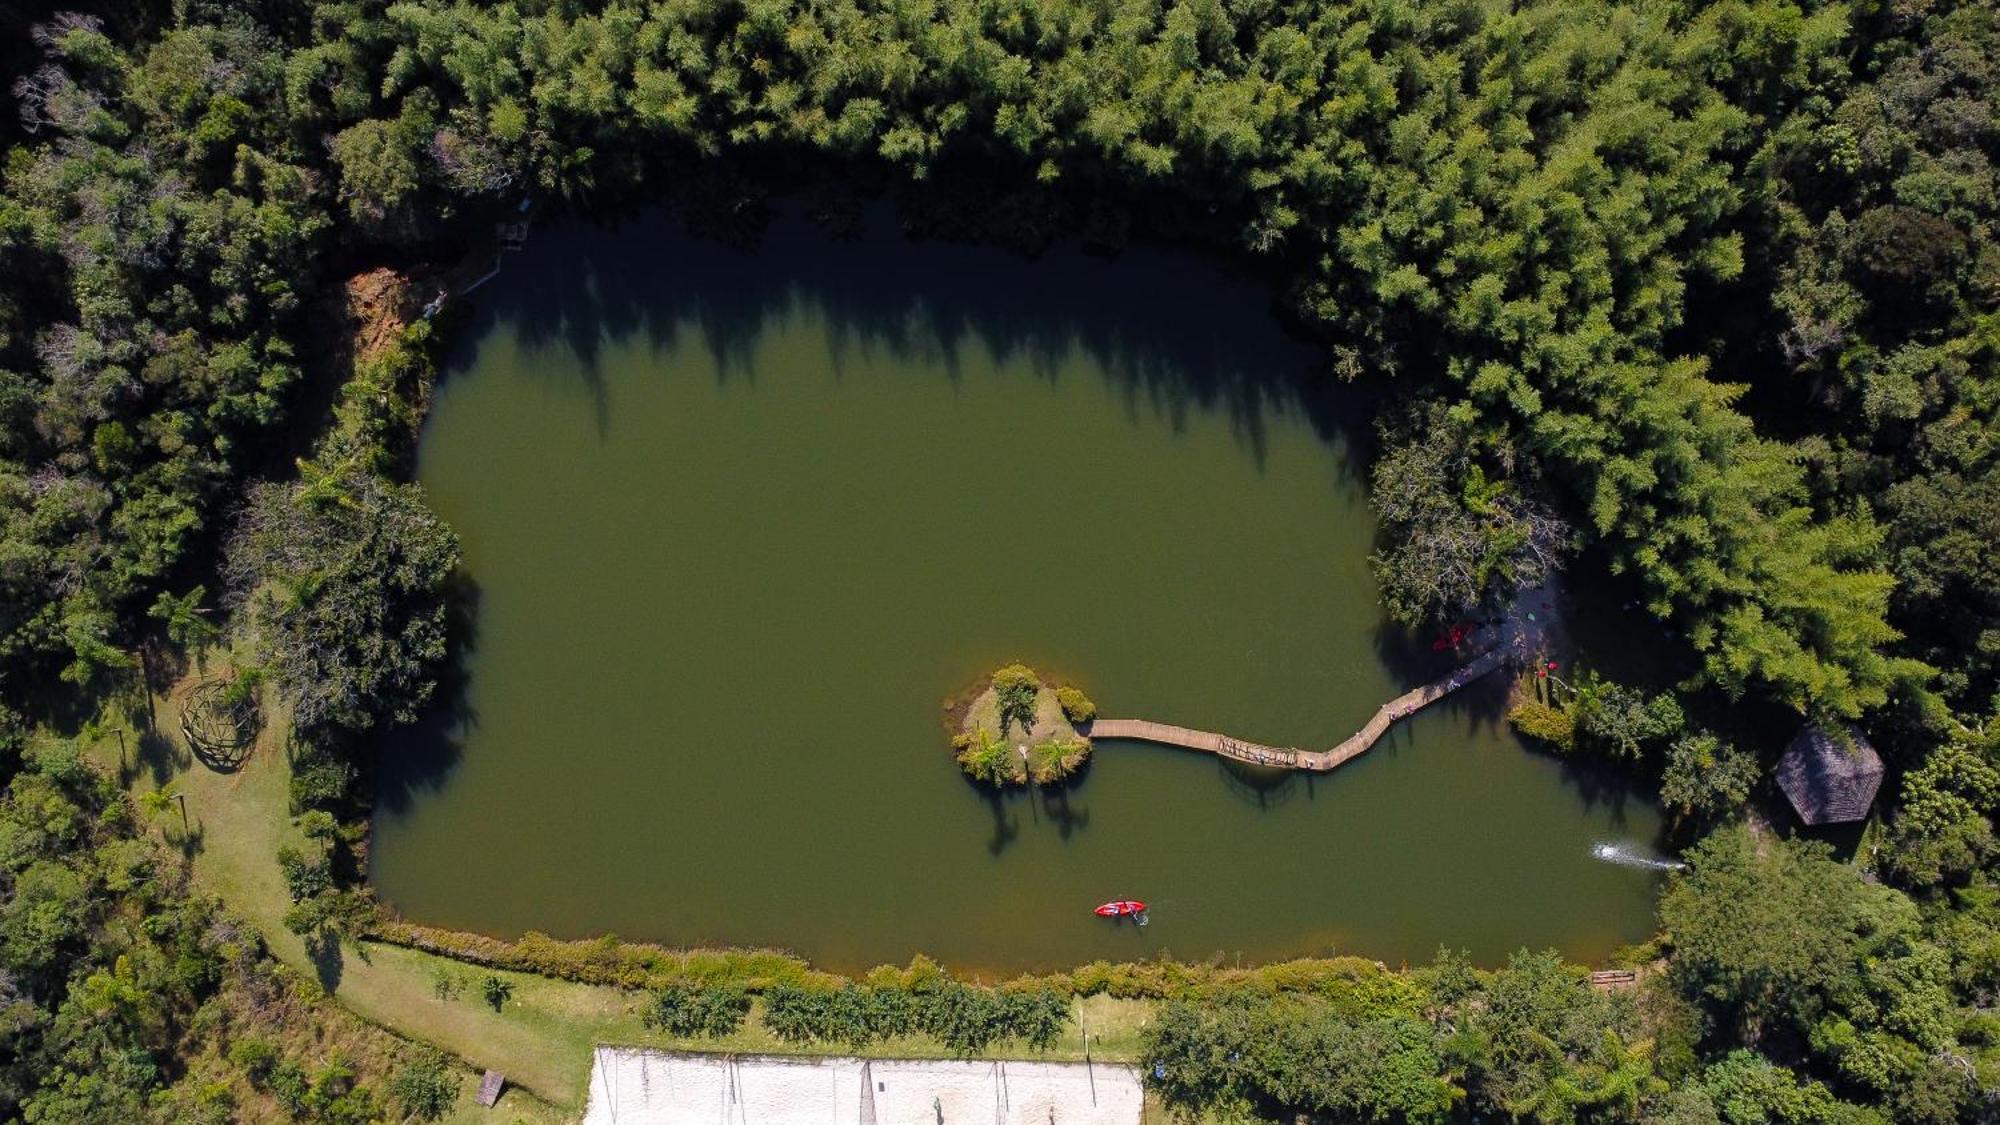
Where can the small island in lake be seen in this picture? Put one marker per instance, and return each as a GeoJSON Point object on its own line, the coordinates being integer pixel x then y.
{"type": "Point", "coordinates": [1020, 729]}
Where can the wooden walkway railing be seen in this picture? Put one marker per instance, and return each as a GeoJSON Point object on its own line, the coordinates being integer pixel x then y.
{"type": "Point", "coordinates": [1404, 705]}
{"type": "Point", "coordinates": [1146, 730]}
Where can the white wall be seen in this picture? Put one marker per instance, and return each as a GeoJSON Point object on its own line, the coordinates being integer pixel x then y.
{"type": "Point", "coordinates": [639, 1087]}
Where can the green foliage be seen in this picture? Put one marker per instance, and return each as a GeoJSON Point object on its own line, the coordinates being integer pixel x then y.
{"type": "Point", "coordinates": [1775, 934]}
{"type": "Point", "coordinates": [305, 876]}
{"type": "Point", "coordinates": [1765, 930]}
{"type": "Point", "coordinates": [328, 915]}
{"type": "Point", "coordinates": [183, 620]}
{"type": "Point", "coordinates": [1748, 1088]}
{"type": "Point", "coordinates": [1076, 706]}
{"type": "Point", "coordinates": [683, 1010]}
{"type": "Point", "coordinates": [425, 1087]}
{"type": "Point", "coordinates": [967, 1019]}
{"type": "Point", "coordinates": [379, 173]}
{"type": "Point", "coordinates": [1880, 207]}
{"type": "Point", "coordinates": [329, 1095]}
{"type": "Point", "coordinates": [1578, 226]}
{"type": "Point", "coordinates": [987, 757]}
{"type": "Point", "coordinates": [1706, 777]}
{"type": "Point", "coordinates": [343, 575]}
{"type": "Point", "coordinates": [1055, 759]}
{"type": "Point", "coordinates": [320, 780]}
{"type": "Point", "coordinates": [1551, 1048]}
{"type": "Point", "coordinates": [1551, 726]}
{"type": "Point", "coordinates": [132, 393]}
{"type": "Point", "coordinates": [1299, 1055]}
{"type": "Point", "coordinates": [1623, 722]}
{"type": "Point", "coordinates": [603, 961]}
{"type": "Point", "coordinates": [104, 952]}
{"type": "Point", "coordinates": [1017, 688]}
{"type": "Point", "coordinates": [496, 991]}
{"type": "Point", "coordinates": [1458, 541]}
{"type": "Point", "coordinates": [319, 825]}
{"type": "Point", "coordinates": [255, 1056]}
{"type": "Point", "coordinates": [1942, 829]}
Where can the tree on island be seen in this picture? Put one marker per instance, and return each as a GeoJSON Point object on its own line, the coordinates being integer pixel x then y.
{"type": "Point", "coordinates": [986, 757]}
{"type": "Point", "coordinates": [1017, 688]}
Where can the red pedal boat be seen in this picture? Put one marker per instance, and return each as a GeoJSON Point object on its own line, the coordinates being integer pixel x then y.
{"type": "Point", "coordinates": [1120, 909]}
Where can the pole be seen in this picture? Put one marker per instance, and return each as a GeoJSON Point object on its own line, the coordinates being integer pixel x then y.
{"type": "Point", "coordinates": [146, 682]}
{"type": "Point", "coordinates": [182, 798]}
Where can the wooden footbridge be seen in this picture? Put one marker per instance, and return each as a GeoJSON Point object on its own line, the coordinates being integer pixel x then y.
{"type": "Point", "coordinates": [1282, 757]}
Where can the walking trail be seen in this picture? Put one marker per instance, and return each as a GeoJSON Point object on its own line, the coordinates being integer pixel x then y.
{"type": "Point", "coordinates": [1515, 637]}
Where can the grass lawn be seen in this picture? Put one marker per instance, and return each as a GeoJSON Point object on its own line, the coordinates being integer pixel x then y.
{"type": "Point", "coordinates": [542, 1037]}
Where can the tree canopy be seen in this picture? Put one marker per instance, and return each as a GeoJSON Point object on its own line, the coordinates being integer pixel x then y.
{"type": "Point", "coordinates": [1701, 293]}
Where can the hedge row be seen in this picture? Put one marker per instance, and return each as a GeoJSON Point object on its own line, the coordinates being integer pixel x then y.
{"type": "Point", "coordinates": [637, 965]}
{"type": "Point", "coordinates": [607, 960]}
{"type": "Point", "coordinates": [967, 1019]}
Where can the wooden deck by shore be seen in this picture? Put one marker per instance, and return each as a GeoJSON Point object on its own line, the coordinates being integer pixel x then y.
{"type": "Point", "coordinates": [1285, 757]}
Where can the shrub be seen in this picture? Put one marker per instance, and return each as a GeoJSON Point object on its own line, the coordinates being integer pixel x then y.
{"type": "Point", "coordinates": [1037, 1016]}
{"type": "Point", "coordinates": [332, 914]}
{"type": "Point", "coordinates": [683, 1010]}
{"type": "Point", "coordinates": [1551, 726]}
{"type": "Point", "coordinates": [319, 780]}
{"type": "Point", "coordinates": [336, 1097]}
{"type": "Point", "coordinates": [1707, 777]}
{"type": "Point", "coordinates": [1017, 688]}
{"type": "Point", "coordinates": [256, 1056]}
{"type": "Point", "coordinates": [426, 1088]}
{"type": "Point", "coordinates": [1076, 706]}
{"type": "Point", "coordinates": [1624, 722]}
{"type": "Point", "coordinates": [241, 691]}
{"type": "Point", "coordinates": [305, 877]}
{"type": "Point", "coordinates": [618, 964]}
{"type": "Point", "coordinates": [319, 825]}
{"type": "Point", "coordinates": [445, 984]}
{"type": "Point", "coordinates": [289, 1085]}
{"type": "Point", "coordinates": [1057, 758]}
{"type": "Point", "coordinates": [799, 1015]}
{"type": "Point", "coordinates": [1221, 1060]}
{"type": "Point", "coordinates": [965, 1019]}
{"type": "Point", "coordinates": [496, 991]}
{"type": "Point", "coordinates": [987, 757]}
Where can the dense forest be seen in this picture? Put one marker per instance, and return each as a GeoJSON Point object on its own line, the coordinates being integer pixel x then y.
{"type": "Point", "coordinates": [1701, 298]}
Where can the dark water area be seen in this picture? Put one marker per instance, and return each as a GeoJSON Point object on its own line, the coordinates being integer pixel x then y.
{"type": "Point", "coordinates": [737, 523]}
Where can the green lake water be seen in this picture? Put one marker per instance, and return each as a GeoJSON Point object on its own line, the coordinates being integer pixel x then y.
{"type": "Point", "coordinates": [738, 523]}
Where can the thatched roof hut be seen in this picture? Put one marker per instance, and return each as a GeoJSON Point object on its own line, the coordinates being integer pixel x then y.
{"type": "Point", "coordinates": [1830, 774]}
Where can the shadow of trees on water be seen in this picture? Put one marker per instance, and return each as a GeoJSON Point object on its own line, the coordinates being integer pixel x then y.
{"type": "Point", "coordinates": [1054, 806]}
{"type": "Point", "coordinates": [1173, 331]}
{"type": "Point", "coordinates": [417, 759]}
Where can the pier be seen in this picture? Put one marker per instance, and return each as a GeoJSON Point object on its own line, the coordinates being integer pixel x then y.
{"type": "Point", "coordinates": [1285, 757]}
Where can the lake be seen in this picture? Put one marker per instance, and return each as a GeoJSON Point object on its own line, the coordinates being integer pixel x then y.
{"type": "Point", "coordinates": [737, 523]}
